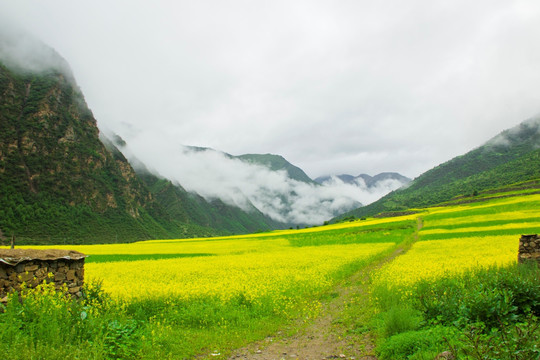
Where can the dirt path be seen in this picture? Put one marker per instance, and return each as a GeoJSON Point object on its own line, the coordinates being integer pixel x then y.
{"type": "Point", "coordinates": [324, 337]}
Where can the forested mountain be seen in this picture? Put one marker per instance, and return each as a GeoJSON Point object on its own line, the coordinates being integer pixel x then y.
{"type": "Point", "coordinates": [510, 157]}
{"type": "Point", "coordinates": [196, 214]}
{"type": "Point", "coordinates": [58, 182]}
{"type": "Point", "coordinates": [277, 163]}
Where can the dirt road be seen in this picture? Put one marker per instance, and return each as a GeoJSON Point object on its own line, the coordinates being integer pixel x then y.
{"type": "Point", "coordinates": [324, 337]}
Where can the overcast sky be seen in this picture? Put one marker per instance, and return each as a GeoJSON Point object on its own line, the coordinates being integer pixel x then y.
{"type": "Point", "coordinates": [333, 86]}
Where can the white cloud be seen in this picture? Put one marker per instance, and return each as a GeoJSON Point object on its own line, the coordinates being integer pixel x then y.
{"type": "Point", "coordinates": [213, 174]}
{"type": "Point", "coordinates": [335, 87]}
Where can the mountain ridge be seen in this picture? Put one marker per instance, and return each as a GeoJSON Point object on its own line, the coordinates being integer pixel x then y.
{"type": "Point", "coordinates": [370, 181]}
{"type": "Point", "coordinates": [509, 157]}
{"type": "Point", "coordinates": [60, 181]}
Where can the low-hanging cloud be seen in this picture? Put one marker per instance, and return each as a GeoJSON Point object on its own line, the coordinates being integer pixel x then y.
{"type": "Point", "coordinates": [24, 52]}
{"type": "Point", "coordinates": [335, 87]}
{"type": "Point", "coordinates": [360, 191]}
{"type": "Point", "coordinates": [528, 128]}
{"type": "Point", "coordinates": [213, 174]}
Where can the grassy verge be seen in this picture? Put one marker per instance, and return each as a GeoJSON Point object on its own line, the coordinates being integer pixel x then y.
{"type": "Point", "coordinates": [489, 313]}
{"type": "Point", "coordinates": [459, 289]}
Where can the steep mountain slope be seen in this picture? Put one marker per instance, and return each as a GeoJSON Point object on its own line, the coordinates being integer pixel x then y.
{"type": "Point", "coordinates": [510, 157]}
{"type": "Point", "coordinates": [57, 180]}
{"type": "Point", "coordinates": [60, 184]}
{"type": "Point", "coordinates": [277, 163]}
{"type": "Point", "coordinates": [196, 214]}
{"type": "Point", "coordinates": [266, 182]}
{"type": "Point", "coordinates": [270, 161]}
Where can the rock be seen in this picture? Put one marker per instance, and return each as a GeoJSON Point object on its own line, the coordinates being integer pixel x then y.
{"type": "Point", "coordinates": [445, 355]}
{"type": "Point", "coordinates": [31, 267]}
{"type": "Point", "coordinates": [26, 276]}
{"type": "Point", "coordinates": [41, 273]}
{"type": "Point", "coordinates": [59, 276]}
{"type": "Point", "coordinates": [3, 273]}
{"type": "Point", "coordinates": [19, 268]}
{"type": "Point", "coordinates": [70, 275]}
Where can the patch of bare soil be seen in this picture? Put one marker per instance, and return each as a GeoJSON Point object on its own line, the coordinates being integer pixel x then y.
{"type": "Point", "coordinates": [323, 337]}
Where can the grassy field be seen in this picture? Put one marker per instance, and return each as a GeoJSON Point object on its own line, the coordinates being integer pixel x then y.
{"type": "Point", "coordinates": [459, 285]}
{"type": "Point", "coordinates": [203, 297]}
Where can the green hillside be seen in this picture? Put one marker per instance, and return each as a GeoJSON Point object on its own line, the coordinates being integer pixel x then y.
{"type": "Point", "coordinates": [270, 161]}
{"type": "Point", "coordinates": [60, 184]}
{"type": "Point", "coordinates": [277, 163]}
{"type": "Point", "coordinates": [204, 217]}
{"type": "Point", "coordinates": [512, 156]}
{"type": "Point", "coordinates": [57, 180]}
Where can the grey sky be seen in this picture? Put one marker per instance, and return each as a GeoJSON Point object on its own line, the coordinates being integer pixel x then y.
{"type": "Point", "coordinates": [333, 86]}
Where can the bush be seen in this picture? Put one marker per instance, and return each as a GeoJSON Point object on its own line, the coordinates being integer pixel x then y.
{"type": "Point", "coordinates": [423, 344]}
{"type": "Point", "coordinates": [92, 328]}
{"type": "Point", "coordinates": [482, 314]}
{"type": "Point", "coordinates": [491, 296]}
{"type": "Point", "coordinates": [517, 342]}
{"type": "Point", "coordinates": [398, 320]}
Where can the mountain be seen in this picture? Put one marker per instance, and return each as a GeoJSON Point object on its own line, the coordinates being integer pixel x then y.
{"type": "Point", "coordinates": [270, 161]}
{"type": "Point", "coordinates": [192, 209]}
{"type": "Point", "coordinates": [266, 182]}
{"type": "Point", "coordinates": [510, 157]}
{"type": "Point", "coordinates": [368, 181]}
{"type": "Point", "coordinates": [59, 183]}
{"type": "Point", "coordinates": [57, 180]}
{"type": "Point", "coordinates": [277, 163]}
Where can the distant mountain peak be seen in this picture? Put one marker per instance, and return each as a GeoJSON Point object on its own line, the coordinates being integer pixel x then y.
{"type": "Point", "coordinates": [369, 181]}
{"type": "Point", "coordinates": [277, 163]}
{"type": "Point", "coordinates": [508, 158]}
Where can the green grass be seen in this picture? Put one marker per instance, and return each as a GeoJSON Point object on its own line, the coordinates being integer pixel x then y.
{"type": "Point", "coordinates": [391, 232]}
{"type": "Point", "coordinates": [135, 257]}
{"type": "Point", "coordinates": [464, 314]}
{"type": "Point", "coordinates": [454, 235]}
{"type": "Point", "coordinates": [482, 314]}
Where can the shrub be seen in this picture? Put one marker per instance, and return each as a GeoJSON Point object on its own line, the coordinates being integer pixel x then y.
{"type": "Point", "coordinates": [491, 296]}
{"type": "Point", "coordinates": [398, 320]}
{"type": "Point", "coordinates": [423, 344]}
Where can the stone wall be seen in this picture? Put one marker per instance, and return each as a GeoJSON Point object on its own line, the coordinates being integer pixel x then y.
{"type": "Point", "coordinates": [35, 266]}
{"type": "Point", "coordinates": [529, 248]}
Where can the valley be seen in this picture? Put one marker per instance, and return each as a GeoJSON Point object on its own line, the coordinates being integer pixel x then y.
{"type": "Point", "coordinates": [196, 253]}
{"type": "Point", "coordinates": [281, 285]}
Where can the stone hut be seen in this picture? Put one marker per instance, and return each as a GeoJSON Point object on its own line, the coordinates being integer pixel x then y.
{"type": "Point", "coordinates": [35, 266]}
{"type": "Point", "coordinates": [529, 248]}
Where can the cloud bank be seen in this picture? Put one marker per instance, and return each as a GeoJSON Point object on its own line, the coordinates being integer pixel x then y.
{"type": "Point", "coordinates": [213, 174]}
{"type": "Point", "coordinates": [22, 51]}
{"type": "Point", "coordinates": [333, 86]}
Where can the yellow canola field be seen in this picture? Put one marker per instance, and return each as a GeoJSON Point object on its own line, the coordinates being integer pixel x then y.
{"type": "Point", "coordinates": [515, 225]}
{"type": "Point", "coordinates": [215, 246]}
{"type": "Point", "coordinates": [274, 271]}
{"type": "Point", "coordinates": [433, 259]}
{"type": "Point", "coordinates": [505, 216]}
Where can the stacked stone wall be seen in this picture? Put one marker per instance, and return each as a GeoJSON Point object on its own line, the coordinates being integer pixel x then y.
{"type": "Point", "coordinates": [66, 271]}
{"type": "Point", "coordinates": [529, 248]}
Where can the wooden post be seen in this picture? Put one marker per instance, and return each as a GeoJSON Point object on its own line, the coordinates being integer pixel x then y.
{"type": "Point", "coordinates": [13, 241]}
